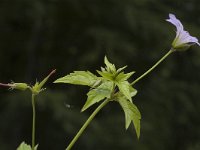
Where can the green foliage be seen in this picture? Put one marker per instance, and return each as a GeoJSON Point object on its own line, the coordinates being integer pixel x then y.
{"type": "Point", "coordinates": [122, 76]}
{"type": "Point", "coordinates": [124, 87]}
{"type": "Point", "coordinates": [131, 112]}
{"type": "Point", "coordinates": [24, 146]}
{"type": "Point", "coordinates": [79, 78]}
{"type": "Point", "coordinates": [109, 67]}
{"type": "Point", "coordinates": [112, 85]}
{"type": "Point", "coordinates": [97, 94]}
{"type": "Point", "coordinates": [36, 35]}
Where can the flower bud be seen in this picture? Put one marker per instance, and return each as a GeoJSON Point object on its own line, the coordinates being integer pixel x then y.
{"type": "Point", "coordinates": [37, 88]}
{"type": "Point", "coordinates": [19, 86]}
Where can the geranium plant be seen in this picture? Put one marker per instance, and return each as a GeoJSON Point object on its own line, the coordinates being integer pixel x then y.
{"type": "Point", "coordinates": [110, 84]}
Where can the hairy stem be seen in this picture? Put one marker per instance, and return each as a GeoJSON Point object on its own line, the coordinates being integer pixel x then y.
{"type": "Point", "coordinates": [87, 123]}
{"type": "Point", "coordinates": [33, 123]}
{"type": "Point", "coordinates": [154, 66]}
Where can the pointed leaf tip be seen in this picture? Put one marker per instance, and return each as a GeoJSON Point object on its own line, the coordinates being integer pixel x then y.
{"type": "Point", "coordinates": [121, 69]}
{"type": "Point", "coordinates": [52, 72]}
{"type": "Point", "coordinates": [109, 66]}
{"type": "Point", "coordinates": [41, 84]}
{"type": "Point", "coordinates": [79, 78]}
{"type": "Point", "coordinates": [132, 114]}
{"type": "Point", "coordinates": [24, 146]}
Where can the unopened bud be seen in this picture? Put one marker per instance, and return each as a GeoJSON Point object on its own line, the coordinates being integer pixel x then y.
{"type": "Point", "coordinates": [19, 86]}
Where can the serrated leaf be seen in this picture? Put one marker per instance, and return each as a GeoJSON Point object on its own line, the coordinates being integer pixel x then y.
{"type": "Point", "coordinates": [98, 94]}
{"type": "Point", "coordinates": [124, 87]}
{"type": "Point", "coordinates": [121, 69]}
{"type": "Point", "coordinates": [132, 114]}
{"type": "Point", "coordinates": [110, 67]}
{"type": "Point", "coordinates": [79, 78]}
{"type": "Point", "coordinates": [96, 83]}
{"type": "Point", "coordinates": [123, 76]}
{"type": "Point", "coordinates": [105, 75]}
{"type": "Point", "coordinates": [24, 146]}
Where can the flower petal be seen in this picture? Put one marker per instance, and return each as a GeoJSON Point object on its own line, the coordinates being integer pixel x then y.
{"type": "Point", "coordinates": [183, 39]}
{"type": "Point", "coordinates": [172, 19]}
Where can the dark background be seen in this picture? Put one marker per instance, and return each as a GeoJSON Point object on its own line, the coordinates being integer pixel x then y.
{"type": "Point", "coordinates": [37, 36]}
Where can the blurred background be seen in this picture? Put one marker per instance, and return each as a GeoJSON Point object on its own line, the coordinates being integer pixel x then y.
{"type": "Point", "coordinates": [37, 36]}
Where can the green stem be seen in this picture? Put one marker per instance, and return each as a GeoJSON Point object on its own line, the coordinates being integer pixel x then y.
{"type": "Point", "coordinates": [33, 123]}
{"type": "Point", "coordinates": [154, 66]}
{"type": "Point", "coordinates": [87, 123]}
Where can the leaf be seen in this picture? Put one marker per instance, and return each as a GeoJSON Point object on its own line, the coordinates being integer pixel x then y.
{"type": "Point", "coordinates": [24, 146]}
{"type": "Point", "coordinates": [121, 69]}
{"type": "Point", "coordinates": [106, 75]}
{"type": "Point", "coordinates": [96, 83]}
{"type": "Point", "coordinates": [123, 76]}
{"type": "Point", "coordinates": [98, 94]}
{"type": "Point", "coordinates": [110, 67]}
{"type": "Point", "coordinates": [132, 114]}
{"type": "Point", "coordinates": [124, 87]}
{"type": "Point", "coordinates": [103, 69]}
{"type": "Point", "coordinates": [133, 91]}
{"type": "Point", "coordinates": [79, 78]}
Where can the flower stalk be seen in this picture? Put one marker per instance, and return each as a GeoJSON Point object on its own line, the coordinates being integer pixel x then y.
{"type": "Point", "coordinates": [5, 85]}
{"type": "Point", "coordinates": [35, 90]}
{"type": "Point", "coordinates": [153, 67]}
{"type": "Point", "coordinates": [33, 122]}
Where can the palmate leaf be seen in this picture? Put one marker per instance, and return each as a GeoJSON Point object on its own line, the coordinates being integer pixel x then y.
{"type": "Point", "coordinates": [24, 146]}
{"type": "Point", "coordinates": [132, 114]}
{"type": "Point", "coordinates": [98, 94]}
{"type": "Point", "coordinates": [79, 78]}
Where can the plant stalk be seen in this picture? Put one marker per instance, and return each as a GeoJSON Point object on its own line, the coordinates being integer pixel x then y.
{"type": "Point", "coordinates": [6, 85]}
{"type": "Point", "coordinates": [154, 66]}
{"type": "Point", "coordinates": [33, 122]}
{"type": "Point", "coordinates": [87, 123]}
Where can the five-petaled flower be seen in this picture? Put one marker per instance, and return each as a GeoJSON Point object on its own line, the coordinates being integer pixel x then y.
{"type": "Point", "coordinates": [183, 39]}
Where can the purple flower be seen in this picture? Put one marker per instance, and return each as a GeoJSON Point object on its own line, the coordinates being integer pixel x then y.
{"type": "Point", "coordinates": [183, 39]}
